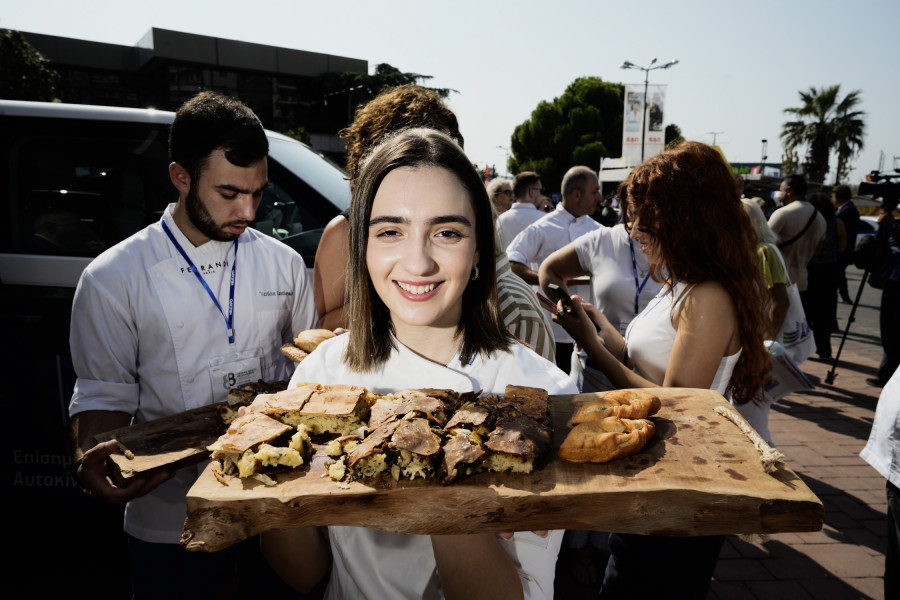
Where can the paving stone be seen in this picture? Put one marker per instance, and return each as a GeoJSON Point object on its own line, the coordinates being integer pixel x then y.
{"type": "Point", "coordinates": [853, 507]}
{"type": "Point", "coordinates": [848, 458]}
{"type": "Point", "coordinates": [786, 539]}
{"type": "Point", "coordinates": [779, 590]}
{"type": "Point", "coordinates": [840, 521]}
{"type": "Point", "coordinates": [741, 569]}
{"type": "Point", "coordinates": [725, 590]}
{"type": "Point", "coordinates": [851, 483]}
{"type": "Point", "coordinates": [870, 587]}
{"type": "Point", "coordinates": [866, 539]}
{"type": "Point", "coordinates": [876, 526]}
{"type": "Point", "coordinates": [751, 549]}
{"type": "Point", "coordinates": [846, 589]}
{"type": "Point", "coordinates": [794, 563]}
{"type": "Point", "coordinates": [828, 535]}
{"type": "Point", "coordinates": [845, 560]}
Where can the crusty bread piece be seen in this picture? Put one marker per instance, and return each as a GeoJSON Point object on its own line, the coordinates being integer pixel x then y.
{"type": "Point", "coordinates": [531, 401]}
{"type": "Point", "coordinates": [627, 404]}
{"type": "Point", "coordinates": [515, 443]}
{"type": "Point", "coordinates": [248, 431]}
{"type": "Point", "coordinates": [285, 401]}
{"type": "Point", "coordinates": [606, 439]}
{"type": "Point", "coordinates": [293, 352]}
{"type": "Point", "coordinates": [310, 339]}
{"type": "Point", "coordinates": [390, 407]}
{"type": "Point", "coordinates": [335, 408]}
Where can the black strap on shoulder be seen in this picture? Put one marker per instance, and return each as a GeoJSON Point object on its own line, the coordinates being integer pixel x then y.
{"type": "Point", "coordinates": [802, 231]}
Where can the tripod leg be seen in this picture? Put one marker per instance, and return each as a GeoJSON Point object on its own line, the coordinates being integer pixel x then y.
{"type": "Point", "coordinates": [829, 378]}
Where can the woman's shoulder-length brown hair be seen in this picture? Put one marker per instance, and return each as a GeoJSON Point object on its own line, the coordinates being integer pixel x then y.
{"type": "Point", "coordinates": [687, 200]}
{"type": "Point", "coordinates": [371, 331]}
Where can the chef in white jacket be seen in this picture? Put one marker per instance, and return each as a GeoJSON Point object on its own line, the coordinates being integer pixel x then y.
{"type": "Point", "coordinates": [423, 313]}
{"type": "Point", "coordinates": [171, 318]}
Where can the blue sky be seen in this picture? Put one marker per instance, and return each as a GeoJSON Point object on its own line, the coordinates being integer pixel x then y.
{"type": "Point", "coordinates": [740, 64]}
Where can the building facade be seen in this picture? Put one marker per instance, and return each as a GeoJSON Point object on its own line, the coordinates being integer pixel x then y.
{"type": "Point", "coordinates": [287, 88]}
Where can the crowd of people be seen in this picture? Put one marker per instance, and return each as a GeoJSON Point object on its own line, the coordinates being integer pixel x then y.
{"type": "Point", "coordinates": [433, 280]}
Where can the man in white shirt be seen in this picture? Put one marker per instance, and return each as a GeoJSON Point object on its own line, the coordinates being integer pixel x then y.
{"type": "Point", "coordinates": [800, 228]}
{"type": "Point", "coordinates": [525, 210]}
{"type": "Point", "coordinates": [571, 219]}
{"type": "Point", "coordinates": [171, 318]}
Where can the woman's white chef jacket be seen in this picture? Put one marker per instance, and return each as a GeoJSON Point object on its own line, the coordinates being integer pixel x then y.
{"type": "Point", "coordinates": [377, 564]}
{"type": "Point", "coordinates": [146, 337]}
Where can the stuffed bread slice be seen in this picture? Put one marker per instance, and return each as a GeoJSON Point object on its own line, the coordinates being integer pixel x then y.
{"type": "Point", "coordinates": [254, 442]}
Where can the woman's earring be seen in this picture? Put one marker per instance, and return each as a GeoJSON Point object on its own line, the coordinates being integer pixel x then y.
{"type": "Point", "coordinates": [475, 276]}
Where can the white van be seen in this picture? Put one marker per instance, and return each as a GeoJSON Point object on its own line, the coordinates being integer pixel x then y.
{"type": "Point", "coordinates": [76, 180]}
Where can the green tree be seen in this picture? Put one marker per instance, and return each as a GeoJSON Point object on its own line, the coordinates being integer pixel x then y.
{"type": "Point", "coordinates": [577, 128]}
{"type": "Point", "coordinates": [825, 123]}
{"type": "Point", "coordinates": [24, 72]}
{"type": "Point", "coordinates": [299, 133]}
{"type": "Point", "coordinates": [342, 93]}
{"type": "Point", "coordinates": [673, 135]}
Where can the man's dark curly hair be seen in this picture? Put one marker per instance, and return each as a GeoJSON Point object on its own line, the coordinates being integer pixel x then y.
{"type": "Point", "coordinates": [212, 121]}
{"type": "Point", "coordinates": [398, 108]}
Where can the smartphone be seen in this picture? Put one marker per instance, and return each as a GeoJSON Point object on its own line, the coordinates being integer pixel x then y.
{"type": "Point", "coordinates": [558, 293]}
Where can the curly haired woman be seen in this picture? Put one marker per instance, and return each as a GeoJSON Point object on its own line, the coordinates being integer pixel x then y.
{"type": "Point", "coordinates": [705, 329]}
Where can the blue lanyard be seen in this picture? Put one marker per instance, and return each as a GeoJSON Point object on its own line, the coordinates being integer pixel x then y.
{"type": "Point", "coordinates": [229, 320]}
{"type": "Point", "coordinates": [638, 287]}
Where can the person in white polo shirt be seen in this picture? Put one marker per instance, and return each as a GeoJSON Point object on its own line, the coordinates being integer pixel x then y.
{"type": "Point", "coordinates": [527, 190]}
{"type": "Point", "coordinates": [571, 219]}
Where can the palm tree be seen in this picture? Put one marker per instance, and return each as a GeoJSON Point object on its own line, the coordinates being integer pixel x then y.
{"type": "Point", "coordinates": [824, 124]}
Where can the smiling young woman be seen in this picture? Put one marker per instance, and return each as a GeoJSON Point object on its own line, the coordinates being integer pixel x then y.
{"type": "Point", "coordinates": [421, 177]}
{"type": "Point", "coordinates": [423, 313]}
{"type": "Point", "coordinates": [422, 253]}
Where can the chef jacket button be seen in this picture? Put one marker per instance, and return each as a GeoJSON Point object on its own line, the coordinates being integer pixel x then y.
{"type": "Point", "coordinates": [179, 325]}
{"type": "Point", "coordinates": [190, 380]}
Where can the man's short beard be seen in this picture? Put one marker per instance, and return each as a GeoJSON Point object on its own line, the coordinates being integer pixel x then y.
{"type": "Point", "coordinates": [201, 219]}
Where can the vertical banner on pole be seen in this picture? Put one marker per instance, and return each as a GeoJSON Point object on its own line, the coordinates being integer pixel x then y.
{"type": "Point", "coordinates": [655, 136]}
{"type": "Point", "coordinates": [631, 129]}
{"type": "Point", "coordinates": [651, 115]}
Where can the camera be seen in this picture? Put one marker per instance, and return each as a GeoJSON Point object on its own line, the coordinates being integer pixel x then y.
{"type": "Point", "coordinates": [879, 185]}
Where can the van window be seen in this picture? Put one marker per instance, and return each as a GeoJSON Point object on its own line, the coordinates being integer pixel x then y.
{"type": "Point", "coordinates": [78, 187]}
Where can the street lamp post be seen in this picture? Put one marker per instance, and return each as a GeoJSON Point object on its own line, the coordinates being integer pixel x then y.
{"type": "Point", "coordinates": [506, 164]}
{"type": "Point", "coordinates": [714, 134]}
{"type": "Point", "coordinates": [630, 65]}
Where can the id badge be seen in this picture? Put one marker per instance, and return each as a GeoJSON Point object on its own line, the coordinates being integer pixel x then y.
{"type": "Point", "coordinates": [234, 370]}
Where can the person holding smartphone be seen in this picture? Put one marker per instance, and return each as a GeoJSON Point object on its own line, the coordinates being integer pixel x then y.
{"type": "Point", "coordinates": [704, 329]}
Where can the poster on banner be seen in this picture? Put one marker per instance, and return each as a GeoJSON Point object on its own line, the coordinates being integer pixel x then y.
{"type": "Point", "coordinates": [651, 115]}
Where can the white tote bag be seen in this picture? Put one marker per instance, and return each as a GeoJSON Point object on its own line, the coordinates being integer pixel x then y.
{"type": "Point", "coordinates": [795, 334]}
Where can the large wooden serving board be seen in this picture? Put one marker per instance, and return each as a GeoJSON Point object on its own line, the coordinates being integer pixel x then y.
{"type": "Point", "coordinates": [698, 475]}
{"type": "Point", "coordinates": [165, 444]}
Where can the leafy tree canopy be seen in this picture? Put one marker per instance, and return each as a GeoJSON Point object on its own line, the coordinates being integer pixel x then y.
{"type": "Point", "coordinates": [673, 135]}
{"type": "Point", "coordinates": [824, 123]}
{"type": "Point", "coordinates": [578, 128]}
{"type": "Point", "coordinates": [24, 72]}
{"type": "Point", "coordinates": [338, 95]}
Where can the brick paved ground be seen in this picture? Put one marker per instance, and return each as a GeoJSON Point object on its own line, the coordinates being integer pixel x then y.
{"type": "Point", "coordinates": [821, 433]}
